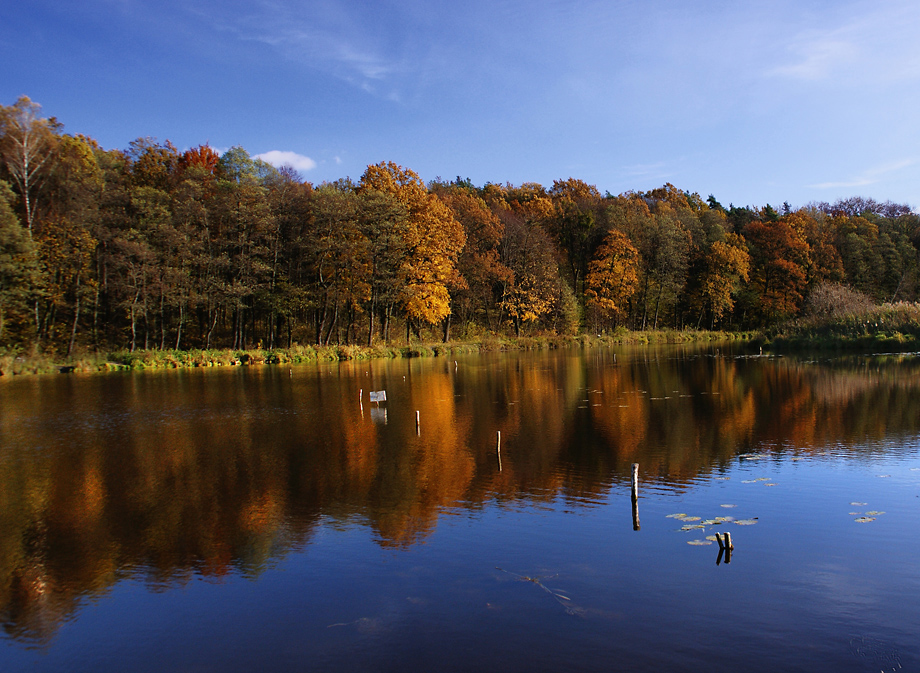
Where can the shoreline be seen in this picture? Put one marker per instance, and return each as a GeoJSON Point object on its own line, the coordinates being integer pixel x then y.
{"type": "Point", "coordinates": [14, 364]}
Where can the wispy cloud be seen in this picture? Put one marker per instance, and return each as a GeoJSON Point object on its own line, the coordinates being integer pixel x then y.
{"type": "Point", "coordinates": [877, 44]}
{"type": "Point", "coordinates": [818, 58]}
{"type": "Point", "coordinates": [318, 48]}
{"type": "Point", "coordinates": [659, 169]}
{"type": "Point", "coordinates": [328, 36]}
{"type": "Point", "coordinates": [869, 177]}
{"type": "Point", "coordinates": [279, 158]}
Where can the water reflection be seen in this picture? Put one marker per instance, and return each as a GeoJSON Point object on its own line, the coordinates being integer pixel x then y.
{"type": "Point", "coordinates": [169, 476]}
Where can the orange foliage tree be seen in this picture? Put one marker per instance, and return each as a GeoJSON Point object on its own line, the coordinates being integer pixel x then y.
{"type": "Point", "coordinates": [613, 275]}
{"type": "Point", "coordinates": [433, 237]}
{"type": "Point", "coordinates": [780, 257]}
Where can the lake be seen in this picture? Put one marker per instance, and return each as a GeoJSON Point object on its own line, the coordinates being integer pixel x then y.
{"type": "Point", "coordinates": [275, 519]}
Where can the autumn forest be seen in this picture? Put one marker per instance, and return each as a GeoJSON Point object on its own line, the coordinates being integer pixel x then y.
{"type": "Point", "coordinates": [156, 248]}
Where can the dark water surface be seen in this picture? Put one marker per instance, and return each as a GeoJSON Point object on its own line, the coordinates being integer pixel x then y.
{"type": "Point", "coordinates": [262, 519]}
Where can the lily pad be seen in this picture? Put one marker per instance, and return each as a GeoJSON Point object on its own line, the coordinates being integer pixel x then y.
{"type": "Point", "coordinates": [864, 519]}
{"type": "Point", "coordinates": [711, 538]}
{"type": "Point", "coordinates": [699, 543]}
{"type": "Point", "coordinates": [859, 504]}
{"type": "Point", "coordinates": [855, 513]}
{"type": "Point", "coordinates": [679, 515]}
{"type": "Point", "coordinates": [883, 476]}
{"type": "Point", "coordinates": [728, 505]}
{"type": "Point", "coordinates": [711, 522]}
{"type": "Point", "coordinates": [692, 526]}
{"type": "Point", "coordinates": [690, 518]}
{"type": "Point", "coordinates": [749, 481]}
{"type": "Point", "coordinates": [915, 469]}
{"type": "Point", "coordinates": [746, 522]}
{"type": "Point", "coordinates": [874, 513]}
{"type": "Point", "coordinates": [762, 479]}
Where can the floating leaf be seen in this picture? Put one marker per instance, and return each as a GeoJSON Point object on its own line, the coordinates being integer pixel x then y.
{"type": "Point", "coordinates": [728, 505]}
{"type": "Point", "coordinates": [711, 522]}
{"type": "Point", "coordinates": [874, 513]}
{"type": "Point", "coordinates": [762, 479]}
{"type": "Point", "coordinates": [855, 513]}
{"type": "Point", "coordinates": [915, 469]}
{"type": "Point", "coordinates": [749, 481]}
{"type": "Point", "coordinates": [692, 526]}
{"type": "Point", "coordinates": [864, 519]}
{"type": "Point", "coordinates": [859, 504]}
{"type": "Point", "coordinates": [772, 483]}
{"type": "Point", "coordinates": [724, 519]}
{"type": "Point", "coordinates": [723, 478]}
{"type": "Point", "coordinates": [691, 518]}
{"type": "Point", "coordinates": [711, 538]}
{"type": "Point", "coordinates": [755, 456]}
{"type": "Point", "coordinates": [679, 515]}
{"type": "Point", "coordinates": [746, 522]}
{"type": "Point", "coordinates": [698, 543]}
{"type": "Point", "coordinates": [883, 476]}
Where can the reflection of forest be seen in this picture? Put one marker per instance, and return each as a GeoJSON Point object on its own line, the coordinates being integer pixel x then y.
{"type": "Point", "coordinates": [166, 476]}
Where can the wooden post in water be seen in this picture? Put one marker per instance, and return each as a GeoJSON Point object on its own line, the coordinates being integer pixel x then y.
{"type": "Point", "coordinates": [498, 448]}
{"type": "Point", "coordinates": [635, 495]}
{"type": "Point", "coordinates": [418, 423]}
{"type": "Point", "coordinates": [725, 548]}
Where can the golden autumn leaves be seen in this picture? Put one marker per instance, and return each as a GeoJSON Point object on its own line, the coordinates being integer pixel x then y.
{"type": "Point", "coordinates": [433, 241]}
{"type": "Point", "coordinates": [153, 247]}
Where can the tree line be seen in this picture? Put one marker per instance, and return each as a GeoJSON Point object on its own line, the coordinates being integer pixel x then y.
{"type": "Point", "coordinates": [153, 247]}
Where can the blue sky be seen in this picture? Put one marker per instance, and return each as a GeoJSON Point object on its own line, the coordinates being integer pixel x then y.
{"type": "Point", "coordinates": [754, 102]}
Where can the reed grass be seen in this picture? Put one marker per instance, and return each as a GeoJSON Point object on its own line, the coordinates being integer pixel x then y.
{"type": "Point", "coordinates": [891, 327]}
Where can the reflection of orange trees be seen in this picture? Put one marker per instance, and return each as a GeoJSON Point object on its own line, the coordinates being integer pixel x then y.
{"type": "Point", "coordinates": [198, 476]}
{"type": "Point", "coordinates": [160, 499]}
{"type": "Point", "coordinates": [530, 406]}
{"type": "Point", "coordinates": [673, 423]}
{"type": "Point", "coordinates": [622, 419]}
{"type": "Point", "coordinates": [822, 407]}
{"type": "Point", "coordinates": [433, 471]}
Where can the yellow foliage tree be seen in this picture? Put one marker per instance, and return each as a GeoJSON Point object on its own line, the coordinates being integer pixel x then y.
{"type": "Point", "coordinates": [434, 240]}
{"type": "Point", "coordinates": [727, 264]}
{"type": "Point", "coordinates": [613, 274]}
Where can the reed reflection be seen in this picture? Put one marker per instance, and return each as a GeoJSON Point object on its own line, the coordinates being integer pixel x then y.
{"type": "Point", "coordinates": [166, 477]}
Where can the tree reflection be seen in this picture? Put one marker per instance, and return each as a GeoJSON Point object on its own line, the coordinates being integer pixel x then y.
{"type": "Point", "coordinates": [168, 477]}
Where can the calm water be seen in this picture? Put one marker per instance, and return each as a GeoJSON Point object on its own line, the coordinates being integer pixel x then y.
{"type": "Point", "coordinates": [264, 519]}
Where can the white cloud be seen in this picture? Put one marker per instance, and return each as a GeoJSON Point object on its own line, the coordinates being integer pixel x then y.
{"type": "Point", "coordinates": [279, 158]}
{"type": "Point", "coordinates": [869, 177]}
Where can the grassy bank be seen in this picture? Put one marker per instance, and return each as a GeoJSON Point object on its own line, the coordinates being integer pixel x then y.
{"type": "Point", "coordinates": [885, 328]}
{"type": "Point", "coordinates": [17, 363]}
